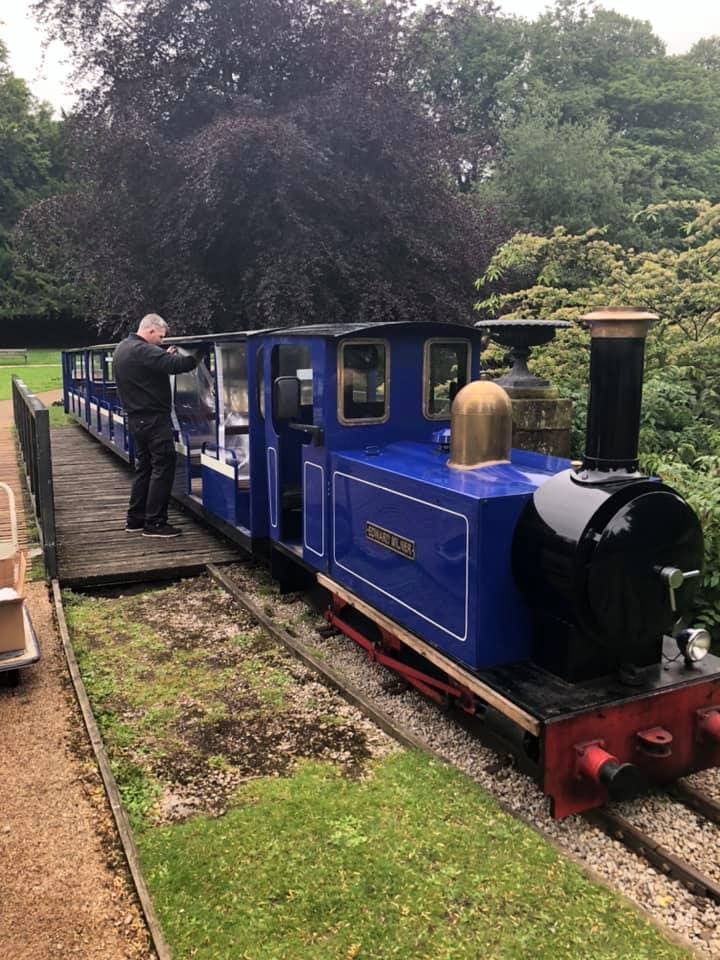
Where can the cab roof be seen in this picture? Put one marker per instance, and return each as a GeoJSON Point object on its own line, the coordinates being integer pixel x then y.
{"type": "Point", "coordinates": [329, 331]}
{"type": "Point", "coordinates": [336, 331]}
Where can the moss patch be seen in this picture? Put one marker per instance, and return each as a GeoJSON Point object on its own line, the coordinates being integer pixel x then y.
{"type": "Point", "coordinates": [192, 699]}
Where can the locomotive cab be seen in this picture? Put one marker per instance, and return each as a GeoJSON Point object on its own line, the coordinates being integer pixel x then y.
{"type": "Point", "coordinates": [328, 389]}
{"type": "Point", "coordinates": [359, 486]}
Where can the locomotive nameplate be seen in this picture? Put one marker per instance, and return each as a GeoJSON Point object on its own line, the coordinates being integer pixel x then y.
{"type": "Point", "coordinates": [391, 541]}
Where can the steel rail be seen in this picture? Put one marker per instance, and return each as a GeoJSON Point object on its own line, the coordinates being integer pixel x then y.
{"type": "Point", "coordinates": [641, 843]}
{"type": "Point", "coordinates": [159, 944]}
{"type": "Point", "coordinates": [333, 677]}
{"type": "Point", "coordinates": [695, 800]}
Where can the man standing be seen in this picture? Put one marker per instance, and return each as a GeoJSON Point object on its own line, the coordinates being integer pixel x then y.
{"type": "Point", "coordinates": [142, 373]}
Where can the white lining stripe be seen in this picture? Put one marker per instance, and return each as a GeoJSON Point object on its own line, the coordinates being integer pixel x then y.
{"type": "Point", "coordinates": [273, 502]}
{"type": "Point", "coordinates": [433, 506]}
{"type": "Point", "coordinates": [319, 467]}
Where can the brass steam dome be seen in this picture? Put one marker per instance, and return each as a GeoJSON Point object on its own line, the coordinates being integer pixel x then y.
{"type": "Point", "coordinates": [481, 430]}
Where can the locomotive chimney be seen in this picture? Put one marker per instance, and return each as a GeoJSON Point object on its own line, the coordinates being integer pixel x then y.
{"type": "Point", "coordinates": [616, 373]}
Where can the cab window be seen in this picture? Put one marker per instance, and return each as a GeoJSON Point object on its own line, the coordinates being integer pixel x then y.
{"type": "Point", "coordinates": [363, 382]}
{"type": "Point", "coordinates": [290, 360]}
{"type": "Point", "coordinates": [447, 370]}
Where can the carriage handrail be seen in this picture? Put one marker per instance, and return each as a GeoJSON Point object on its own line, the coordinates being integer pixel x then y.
{"type": "Point", "coordinates": [32, 423]}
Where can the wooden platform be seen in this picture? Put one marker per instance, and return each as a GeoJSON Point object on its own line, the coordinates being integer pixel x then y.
{"type": "Point", "coordinates": [92, 488]}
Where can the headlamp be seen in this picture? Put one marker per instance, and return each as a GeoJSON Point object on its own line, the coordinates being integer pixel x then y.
{"type": "Point", "coordinates": [693, 644]}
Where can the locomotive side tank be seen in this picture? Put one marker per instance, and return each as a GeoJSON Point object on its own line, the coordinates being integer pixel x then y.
{"type": "Point", "coordinates": [431, 546]}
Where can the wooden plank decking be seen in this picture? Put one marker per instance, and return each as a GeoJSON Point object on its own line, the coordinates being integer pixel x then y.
{"type": "Point", "coordinates": [92, 488]}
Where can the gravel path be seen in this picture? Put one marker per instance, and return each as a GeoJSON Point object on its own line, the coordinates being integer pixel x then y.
{"type": "Point", "coordinates": [64, 887]}
{"type": "Point", "coordinates": [65, 892]}
{"type": "Point", "coordinates": [691, 918]}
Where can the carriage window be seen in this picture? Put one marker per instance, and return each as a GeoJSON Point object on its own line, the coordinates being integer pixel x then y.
{"type": "Point", "coordinates": [447, 370]}
{"type": "Point", "coordinates": [363, 387]}
{"type": "Point", "coordinates": [194, 399]}
{"type": "Point", "coordinates": [101, 365]}
{"type": "Point", "coordinates": [233, 363]}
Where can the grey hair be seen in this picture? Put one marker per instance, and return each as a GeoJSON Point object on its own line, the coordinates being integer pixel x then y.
{"type": "Point", "coordinates": [152, 321]}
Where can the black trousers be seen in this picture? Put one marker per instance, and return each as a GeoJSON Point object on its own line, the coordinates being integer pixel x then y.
{"type": "Point", "coordinates": [152, 435]}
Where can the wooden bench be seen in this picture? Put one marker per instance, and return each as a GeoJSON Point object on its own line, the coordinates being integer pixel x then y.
{"type": "Point", "coordinates": [14, 353]}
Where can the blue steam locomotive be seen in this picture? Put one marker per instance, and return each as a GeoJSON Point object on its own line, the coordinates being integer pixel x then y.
{"type": "Point", "coordinates": [544, 599]}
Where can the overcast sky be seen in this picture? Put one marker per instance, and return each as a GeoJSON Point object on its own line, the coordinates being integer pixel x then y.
{"type": "Point", "coordinates": [678, 24]}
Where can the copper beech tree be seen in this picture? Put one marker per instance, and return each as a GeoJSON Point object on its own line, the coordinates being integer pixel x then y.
{"type": "Point", "coordinates": [248, 164]}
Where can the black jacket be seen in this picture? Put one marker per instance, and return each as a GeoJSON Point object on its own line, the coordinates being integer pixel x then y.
{"type": "Point", "coordinates": [142, 374]}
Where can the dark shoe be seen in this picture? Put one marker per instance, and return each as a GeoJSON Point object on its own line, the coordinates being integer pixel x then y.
{"type": "Point", "coordinates": [133, 526]}
{"type": "Point", "coordinates": [163, 530]}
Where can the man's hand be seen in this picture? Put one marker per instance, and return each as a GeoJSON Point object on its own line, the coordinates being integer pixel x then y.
{"type": "Point", "coordinates": [172, 351]}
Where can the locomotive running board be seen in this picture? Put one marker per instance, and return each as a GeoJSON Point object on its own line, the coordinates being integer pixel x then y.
{"type": "Point", "coordinates": [468, 680]}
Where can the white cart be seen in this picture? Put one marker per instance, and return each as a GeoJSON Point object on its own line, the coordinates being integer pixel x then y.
{"type": "Point", "coordinates": [18, 643]}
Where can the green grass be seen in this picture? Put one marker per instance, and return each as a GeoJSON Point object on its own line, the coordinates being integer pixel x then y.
{"type": "Point", "coordinates": [37, 378]}
{"type": "Point", "coordinates": [58, 418]}
{"type": "Point", "coordinates": [119, 662]}
{"type": "Point", "coordinates": [33, 357]}
{"type": "Point", "coordinates": [413, 862]}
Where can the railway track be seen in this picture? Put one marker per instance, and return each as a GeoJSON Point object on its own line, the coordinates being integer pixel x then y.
{"type": "Point", "coordinates": [615, 825]}
{"type": "Point", "coordinates": [639, 841]}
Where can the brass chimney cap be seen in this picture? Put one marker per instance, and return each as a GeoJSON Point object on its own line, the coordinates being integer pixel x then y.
{"type": "Point", "coordinates": [625, 322]}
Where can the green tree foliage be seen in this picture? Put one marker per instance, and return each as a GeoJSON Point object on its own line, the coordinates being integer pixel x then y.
{"type": "Point", "coordinates": [662, 112]}
{"type": "Point", "coordinates": [700, 485]}
{"type": "Point", "coordinates": [459, 57]}
{"type": "Point", "coordinates": [563, 275]}
{"type": "Point", "coordinates": [256, 163]}
{"type": "Point", "coordinates": [31, 167]}
{"type": "Point", "coordinates": [668, 110]}
{"type": "Point", "coordinates": [552, 173]}
{"type": "Point", "coordinates": [706, 54]}
{"type": "Point", "coordinates": [577, 118]}
{"type": "Point", "coordinates": [574, 50]}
